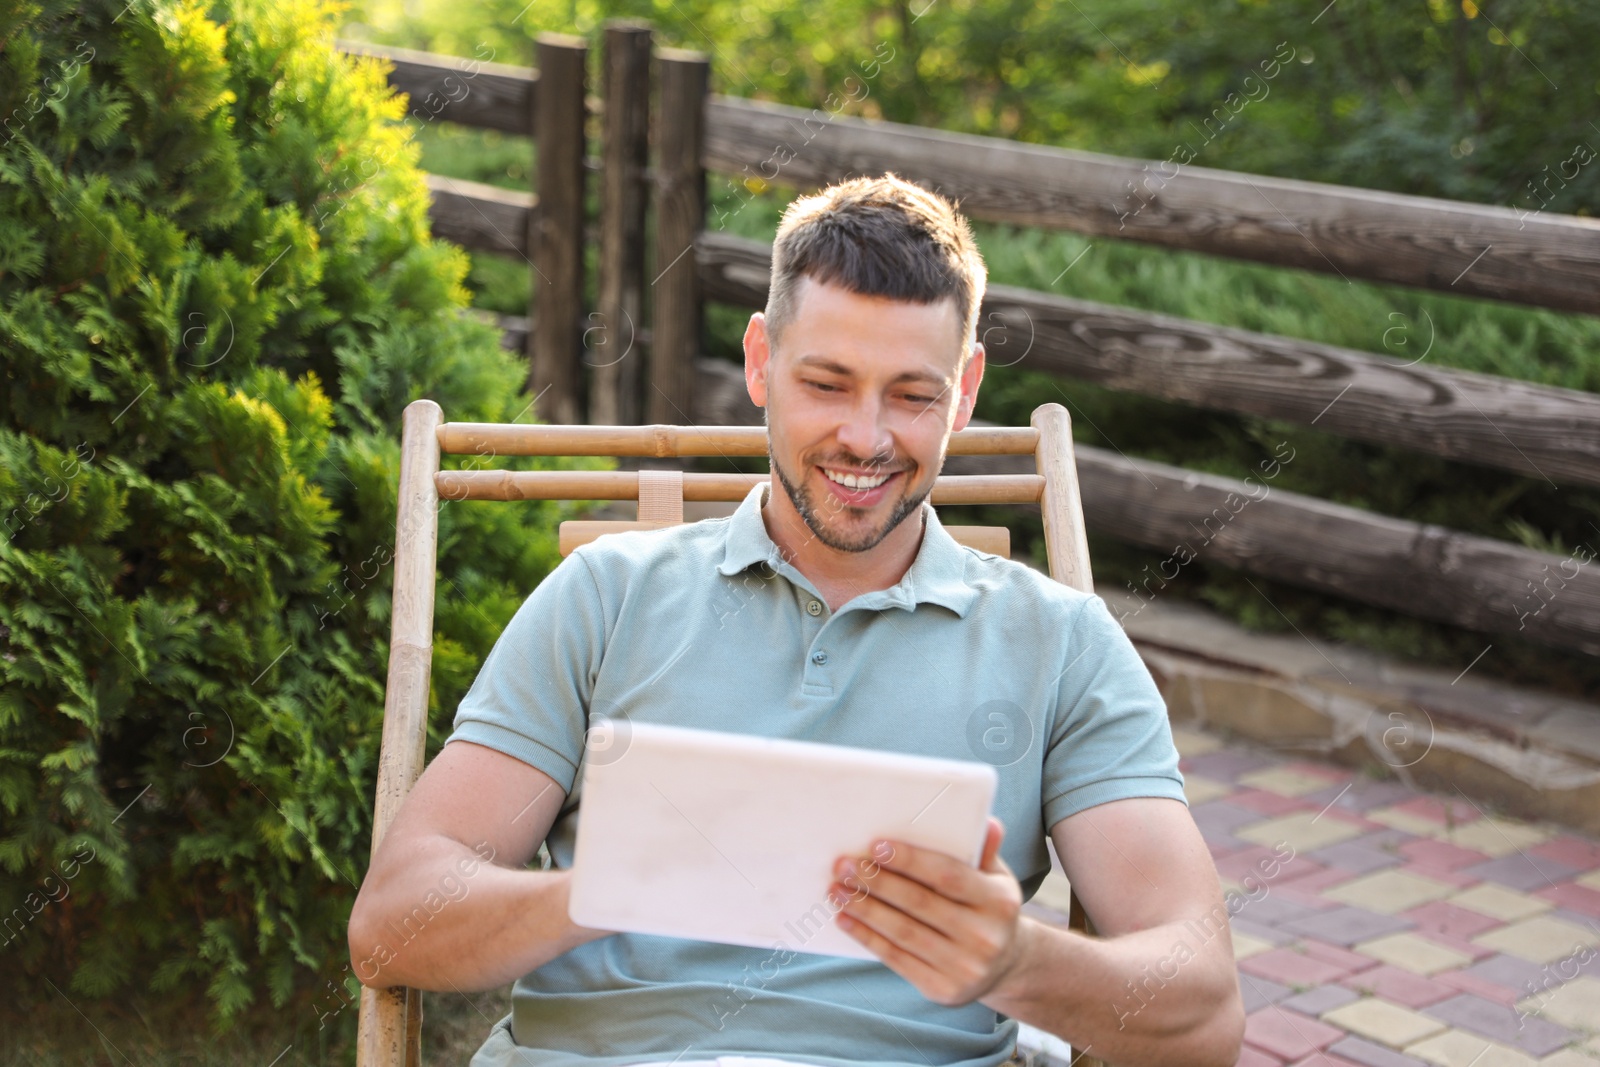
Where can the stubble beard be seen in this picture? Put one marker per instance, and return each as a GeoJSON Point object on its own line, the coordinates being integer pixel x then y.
{"type": "Point", "coordinates": [814, 514]}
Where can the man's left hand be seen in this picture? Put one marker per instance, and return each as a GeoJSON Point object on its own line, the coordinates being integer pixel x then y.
{"type": "Point", "coordinates": [951, 930]}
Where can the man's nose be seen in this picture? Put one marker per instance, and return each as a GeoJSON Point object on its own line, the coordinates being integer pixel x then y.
{"type": "Point", "coordinates": [866, 437]}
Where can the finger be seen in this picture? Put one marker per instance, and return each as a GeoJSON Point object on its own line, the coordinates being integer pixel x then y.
{"type": "Point", "coordinates": [945, 875]}
{"type": "Point", "coordinates": [995, 834]}
{"type": "Point", "coordinates": [918, 901]}
{"type": "Point", "coordinates": [1000, 866]}
{"type": "Point", "coordinates": [909, 935]}
{"type": "Point", "coordinates": [908, 966]}
{"type": "Point", "coordinates": [943, 971]}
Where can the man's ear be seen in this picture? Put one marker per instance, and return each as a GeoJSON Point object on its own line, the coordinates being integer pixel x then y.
{"type": "Point", "coordinates": [967, 401]}
{"type": "Point", "coordinates": [757, 358]}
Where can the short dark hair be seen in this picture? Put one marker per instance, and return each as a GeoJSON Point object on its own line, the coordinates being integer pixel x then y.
{"type": "Point", "coordinates": [879, 236]}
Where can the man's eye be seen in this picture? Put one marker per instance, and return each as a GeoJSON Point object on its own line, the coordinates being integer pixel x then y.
{"type": "Point", "coordinates": [919, 399]}
{"type": "Point", "coordinates": [822, 385]}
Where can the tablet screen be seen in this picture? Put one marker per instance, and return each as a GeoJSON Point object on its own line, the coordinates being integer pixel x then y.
{"type": "Point", "coordinates": [732, 838]}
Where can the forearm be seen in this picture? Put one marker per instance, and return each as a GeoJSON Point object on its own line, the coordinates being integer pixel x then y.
{"type": "Point", "coordinates": [1147, 999]}
{"type": "Point", "coordinates": [441, 917]}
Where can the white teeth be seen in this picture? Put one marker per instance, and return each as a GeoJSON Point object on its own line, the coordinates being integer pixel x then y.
{"type": "Point", "coordinates": [852, 481]}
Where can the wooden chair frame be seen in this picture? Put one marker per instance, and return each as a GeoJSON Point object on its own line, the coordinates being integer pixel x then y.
{"type": "Point", "coordinates": [389, 1031]}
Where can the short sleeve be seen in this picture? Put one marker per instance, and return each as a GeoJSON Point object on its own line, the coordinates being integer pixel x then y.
{"type": "Point", "coordinates": [1110, 738]}
{"type": "Point", "coordinates": [531, 697]}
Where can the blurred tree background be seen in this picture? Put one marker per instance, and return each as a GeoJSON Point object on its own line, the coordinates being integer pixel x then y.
{"type": "Point", "coordinates": [217, 296]}
{"type": "Point", "coordinates": [1494, 103]}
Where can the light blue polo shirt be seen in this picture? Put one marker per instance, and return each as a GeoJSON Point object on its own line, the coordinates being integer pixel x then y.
{"type": "Point", "coordinates": [969, 656]}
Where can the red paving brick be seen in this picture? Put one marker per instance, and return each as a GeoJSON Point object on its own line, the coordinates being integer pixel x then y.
{"type": "Point", "coordinates": [1288, 1034]}
{"type": "Point", "coordinates": [1299, 866]}
{"type": "Point", "coordinates": [1438, 874]}
{"type": "Point", "coordinates": [1572, 895]}
{"type": "Point", "coordinates": [1399, 986]}
{"type": "Point", "coordinates": [1323, 1059]}
{"type": "Point", "coordinates": [1254, 1057]}
{"type": "Point", "coordinates": [1451, 920]}
{"type": "Point", "coordinates": [1292, 968]}
{"type": "Point", "coordinates": [1441, 854]}
{"type": "Point", "coordinates": [1269, 804]}
{"type": "Point", "coordinates": [1350, 962]}
{"type": "Point", "coordinates": [1442, 810]}
{"type": "Point", "coordinates": [1471, 983]}
{"type": "Point", "coordinates": [1247, 861]}
{"type": "Point", "coordinates": [1308, 888]}
{"type": "Point", "coordinates": [1573, 851]}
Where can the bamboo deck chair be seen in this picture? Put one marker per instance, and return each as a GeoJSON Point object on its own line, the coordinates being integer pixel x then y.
{"type": "Point", "coordinates": [389, 1031]}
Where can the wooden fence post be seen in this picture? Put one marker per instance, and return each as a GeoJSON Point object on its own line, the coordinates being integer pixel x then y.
{"type": "Point", "coordinates": [615, 349]}
{"type": "Point", "coordinates": [680, 216]}
{"type": "Point", "coordinates": [555, 340]}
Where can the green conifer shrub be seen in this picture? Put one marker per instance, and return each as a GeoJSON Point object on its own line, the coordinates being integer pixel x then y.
{"type": "Point", "coordinates": [217, 294]}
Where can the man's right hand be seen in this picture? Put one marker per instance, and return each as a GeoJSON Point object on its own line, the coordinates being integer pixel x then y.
{"type": "Point", "coordinates": [448, 902]}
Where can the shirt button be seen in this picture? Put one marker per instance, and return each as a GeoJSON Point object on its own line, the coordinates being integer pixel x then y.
{"type": "Point", "coordinates": [814, 608]}
{"type": "Point", "coordinates": [819, 658]}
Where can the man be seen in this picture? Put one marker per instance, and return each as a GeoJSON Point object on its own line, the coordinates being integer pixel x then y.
{"type": "Point", "coordinates": [831, 606]}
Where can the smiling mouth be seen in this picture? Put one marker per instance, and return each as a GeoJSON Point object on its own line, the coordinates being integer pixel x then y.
{"type": "Point", "coordinates": [856, 482]}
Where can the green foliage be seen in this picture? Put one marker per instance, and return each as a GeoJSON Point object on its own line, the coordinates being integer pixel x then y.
{"type": "Point", "coordinates": [217, 296]}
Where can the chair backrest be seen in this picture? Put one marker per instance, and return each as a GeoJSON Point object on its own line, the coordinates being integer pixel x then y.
{"type": "Point", "coordinates": [390, 1023]}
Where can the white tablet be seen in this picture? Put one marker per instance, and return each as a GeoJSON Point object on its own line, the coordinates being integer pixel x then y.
{"type": "Point", "coordinates": [732, 838]}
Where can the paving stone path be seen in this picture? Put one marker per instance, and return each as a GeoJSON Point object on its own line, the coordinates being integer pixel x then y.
{"type": "Point", "coordinates": [1404, 929]}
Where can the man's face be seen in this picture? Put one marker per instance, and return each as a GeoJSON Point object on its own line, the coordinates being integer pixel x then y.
{"type": "Point", "coordinates": [864, 390]}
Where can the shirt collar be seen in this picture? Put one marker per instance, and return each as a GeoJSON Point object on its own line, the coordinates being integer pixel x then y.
{"type": "Point", "coordinates": [937, 575]}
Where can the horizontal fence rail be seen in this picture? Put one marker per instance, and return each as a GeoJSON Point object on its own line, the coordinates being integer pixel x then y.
{"type": "Point", "coordinates": [490, 96]}
{"type": "Point", "coordinates": [1416, 569]}
{"type": "Point", "coordinates": [1536, 430]}
{"type": "Point", "coordinates": [481, 217]}
{"type": "Point", "coordinates": [1545, 259]}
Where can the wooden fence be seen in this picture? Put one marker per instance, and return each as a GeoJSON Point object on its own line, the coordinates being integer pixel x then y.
{"type": "Point", "coordinates": [651, 310]}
